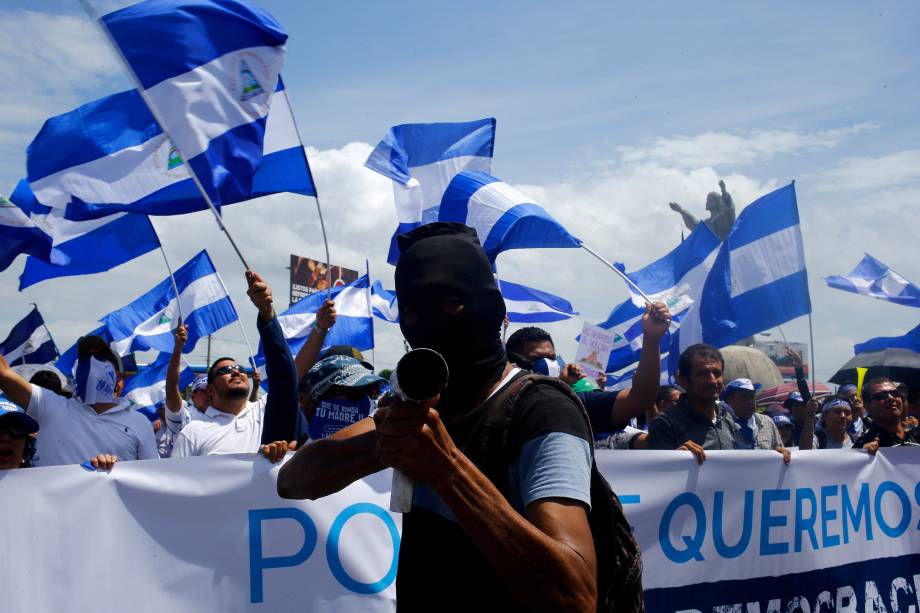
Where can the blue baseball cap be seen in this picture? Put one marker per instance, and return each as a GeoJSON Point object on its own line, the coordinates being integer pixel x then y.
{"type": "Point", "coordinates": [846, 389]}
{"type": "Point", "coordinates": [11, 412]}
{"type": "Point", "coordinates": [782, 421]}
{"type": "Point", "coordinates": [740, 384]}
{"type": "Point", "coordinates": [794, 397]}
{"type": "Point", "coordinates": [341, 370]}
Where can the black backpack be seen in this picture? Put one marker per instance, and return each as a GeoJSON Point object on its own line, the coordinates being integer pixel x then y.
{"type": "Point", "coordinates": [619, 559]}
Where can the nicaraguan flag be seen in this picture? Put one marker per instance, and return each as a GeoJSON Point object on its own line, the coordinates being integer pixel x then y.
{"type": "Point", "coordinates": [383, 303]}
{"type": "Point", "coordinates": [19, 234]}
{"type": "Point", "coordinates": [758, 280]}
{"type": "Point", "coordinates": [82, 247]}
{"type": "Point", "coordinates": [208, 69]}
{"type": "Point", "coordinates": [874, 279]}
{"type": "Point", "coordinates": [353, 325]}
{"type": "Point", "coordinates": [676, 279]}
{"type": "Point", "coordinates": [503, 217]}
{"type": "Point", "coordinates": [29, 342]}
{"type": "Point", "coordinates": [110, 156]}
{"type": "Point", "coordinates": [421, 159]}
{"type": "Point", "coordinates": [148, 322]}
{"type": "Point", "coordinates": [526, 305]}
{"type": "Point", "coordinates": [148, 387]}
{"type": "Point", "coordinates": [911, 341]}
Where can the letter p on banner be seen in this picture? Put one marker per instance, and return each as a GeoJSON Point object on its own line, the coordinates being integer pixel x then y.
{"type": "Point", "coordinates": [257, 563]}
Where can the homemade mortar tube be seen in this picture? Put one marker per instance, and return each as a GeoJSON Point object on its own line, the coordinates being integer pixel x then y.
{"type": "Point", "coordinates": [419, 376]}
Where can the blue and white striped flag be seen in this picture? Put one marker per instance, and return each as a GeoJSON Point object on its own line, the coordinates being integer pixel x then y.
{"type": "Point", "coordinates": [421, 159]}
{"type": "Point", "coordinates": [68, 359]}
{"type": "Point", "coordinates": [29, 342]}
{"type": "Point", "coordinates": [676, 279]}
{"type": "Point", "coordinates": [353, 325]}
{"type": "Point", "coordinates": [383, 303]}
{"type": "Point", "coordinates": [148, 322]}
{"type": "Point", "coordinates": [208, 69]}
{"type": "Point", "coordinates": [757, 281]}
{"type": "Point", "coordinates": [503, 217]}
{"type": "Point", "coordinates": [911, 341]}
{"type": "Point", "coordinates": [110, 156]}
{"type": "Point", "coordinates": [19, 234]}
{"type": "Point", "coordinates": [148, 387]}
{"type": "Point", "coordinates": [874, 279]}
{"type": "Point", "coordinates": [82, 247]}
{"type": "Point", "coordinates": [526, 305]}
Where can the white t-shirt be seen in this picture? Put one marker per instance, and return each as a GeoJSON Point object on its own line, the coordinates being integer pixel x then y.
{"type": "Point", "coordinates": [222, 432]}
{"type": "Point", "coordinates": [71, 432]}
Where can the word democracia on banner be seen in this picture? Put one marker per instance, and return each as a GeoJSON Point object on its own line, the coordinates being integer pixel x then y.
{"type": "Point", "coordinates": [819, 518]}
{"type": "Point", "coordinates": [263, 520]}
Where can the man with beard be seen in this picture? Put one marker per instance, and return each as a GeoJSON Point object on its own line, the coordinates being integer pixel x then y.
{"type": "Point", "coordinates": [233, 423]}
{"type": "Point", "coordinates": [466, 543]}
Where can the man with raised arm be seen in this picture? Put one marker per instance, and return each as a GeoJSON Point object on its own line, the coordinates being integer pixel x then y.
{"type": "Point", "coordinates": [95, 425]}
{"type": "Point", "coordinates": [516, 543]}
{"type": "Point", "coordinates": [233, 423]}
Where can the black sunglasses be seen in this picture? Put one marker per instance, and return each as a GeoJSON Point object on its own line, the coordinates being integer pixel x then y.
{"type": "Point", "coordinates": [228, 369]}
{"type": "Point", "coordinates": [883, 395]}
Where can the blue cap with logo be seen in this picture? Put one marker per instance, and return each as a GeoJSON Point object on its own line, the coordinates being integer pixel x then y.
{"type": "Point", "coordinates": [782, 421]}
{"type": "Point", "coordinates": [341, 370]}
{"type": "Point", "coordinates": [11, 412]}
{"type": "Point", "coordinates": [794, 398]}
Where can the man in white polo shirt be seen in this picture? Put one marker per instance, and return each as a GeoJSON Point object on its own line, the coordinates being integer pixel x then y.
{"type": "Point", "coordinates": [94, 422]}
{"type": "Point", "coordinates": [232, 423]}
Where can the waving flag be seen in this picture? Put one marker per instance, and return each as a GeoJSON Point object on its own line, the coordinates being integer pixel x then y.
{"type": "Point", "coordinates": [29, 342]}
{"type": "Point", "coordinates": [148, 388]}
{"type": "Point", "coordinates": [84, 247]}
{"type": "Point", "coordinates": [911, 341]}
{"type": "Point", "coordinates": [503, 217]}
{"type": "Point", "coordinates": [19, 234]}
{"type": "Point", "coordinates": [383, 303]}
{"type": "Point", "coordinates": [528, 305]}
{"type": "Point", "coordinates": [757, 281]}
{"type": "Point", "coordinates": [676, 279]}
{"type": "Point", "coordinates": [353, 325]}
{"type": "Point", "coordinates": [147, 323]}
{"type": "Point", "coordinates": [874, 279]}
{"type": "Point", "coordinates": [110, 156]}
{"type": "Point", "coordinates": [208, 69]}
{"type": "Point", "coordinates": [421, 159]}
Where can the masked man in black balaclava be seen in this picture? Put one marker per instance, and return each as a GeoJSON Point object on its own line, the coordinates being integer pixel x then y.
{"type": "Point", "coordinates": [518, 542]}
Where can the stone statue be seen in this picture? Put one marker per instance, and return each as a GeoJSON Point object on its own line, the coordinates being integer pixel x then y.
{"type": "Point", "coordinates": [721, 213]}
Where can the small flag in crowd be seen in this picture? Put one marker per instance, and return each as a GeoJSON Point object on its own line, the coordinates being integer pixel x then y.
{"type": "Point", "coordinates": [148, 322]}
{"type": "Point", "coordinates": [527, 305]}
{"type": "Point", "coordinates": [421, 159]}
{"type": "Point", "coordinates": [208, 69]}
{"type": "Point", "coordinates": [383, 303]}
{"type": "Point", "coordinates": [758, 280]}
{"type": "Point", "coordinates": [83, 247]}
{"type": "Point", "coordinates": [110, 156]}
{"type": "Point", "coordinates": [911, 341]}
{"type": "Point", "coordinates": [503, 217]}
{"type": "Point", "coordinates": [676, 279]}
{"type": "Point", "coordinates": [19, 234]}
{"type": "Point", "coordinates": [876, 280]}
{"type": "Point", "coordinates": [148, 388]}
{"type": "Point", "coordinates": [29, 342]}
{"type": "Point", "coordinates": [353, 325]}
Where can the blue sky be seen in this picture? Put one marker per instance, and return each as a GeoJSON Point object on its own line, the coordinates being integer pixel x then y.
{"type": "Point", "coordinates": [605, 113]}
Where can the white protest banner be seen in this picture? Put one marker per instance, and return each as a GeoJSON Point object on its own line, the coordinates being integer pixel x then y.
{"type": "Point", "coordinates": [743, 533]}
{"type": "Point", "coordinates": [594, 347]}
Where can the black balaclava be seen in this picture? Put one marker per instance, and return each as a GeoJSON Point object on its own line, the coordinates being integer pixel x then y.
{"type": "Point", "coordinates": [442, 261]}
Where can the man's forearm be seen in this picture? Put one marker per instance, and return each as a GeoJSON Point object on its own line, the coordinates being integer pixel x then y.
{"type": "Point", "coordinates": [326, 466]}
{"type": "Point", "coordinates": [281, 408]}
{"type": "Point", "coordinates": [641, 396]}
{"type": "Point", "coordinates": [540, 571]}
{"type": "Point", "coordinates": [173, 395]}
{"type": "Point", "coordinates": [309, 353]}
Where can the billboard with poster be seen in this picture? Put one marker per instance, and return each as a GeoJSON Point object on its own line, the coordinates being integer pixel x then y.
{"type": "Point", "coordinates": [309, 276]}
{"type": "Point", "coordinates": [776, 351]}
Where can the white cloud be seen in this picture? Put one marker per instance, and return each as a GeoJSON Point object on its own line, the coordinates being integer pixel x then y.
{"type": "Point", "coordinates": [720, 148]}
{"type": "Point", "coordinates": [857, 173]}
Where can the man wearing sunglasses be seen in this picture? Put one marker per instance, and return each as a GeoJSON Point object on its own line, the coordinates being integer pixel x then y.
{"type": "Point", "coordinates": [17, 436]}
{"type": "Point", "coordinates": [233, 423]}
{"type": "Point", "coordinates": [886, 408]}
